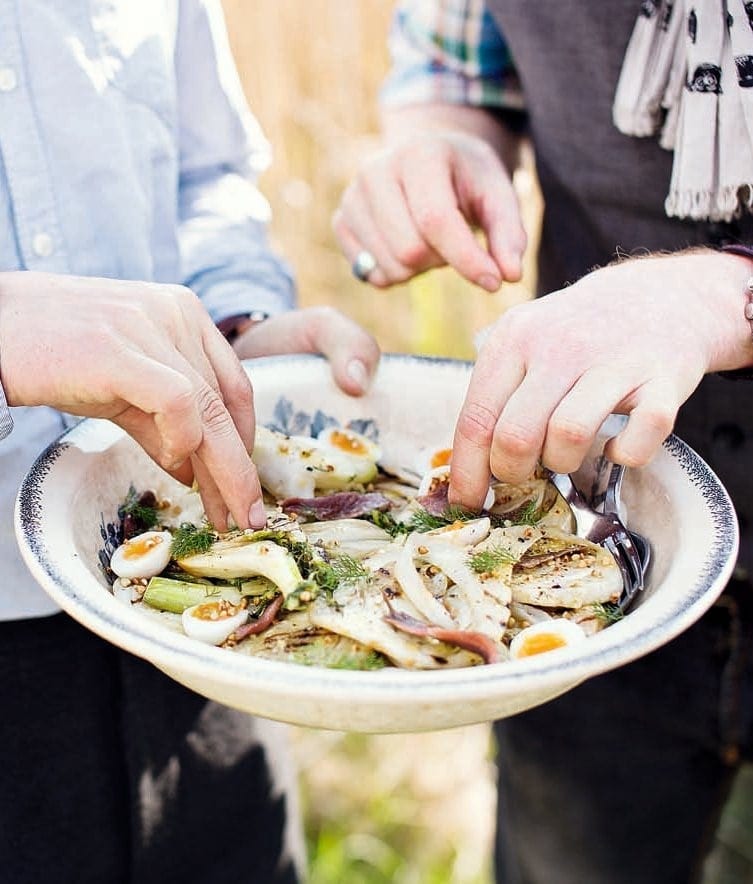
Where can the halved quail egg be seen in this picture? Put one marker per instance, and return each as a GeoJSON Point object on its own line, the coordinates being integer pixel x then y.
{"type": "Point", "coordinates": [144, 555]}
{"type": "Point", "coordinates": [545, 636]}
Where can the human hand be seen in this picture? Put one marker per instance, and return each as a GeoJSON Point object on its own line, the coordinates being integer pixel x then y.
{"type": "Point", "coordinates": [633, 338]}
{"type": "Point", "coordinates": [413, 207]}
{"type": "Point", "coordinates": [352, 352]}
{"type": "Point", "coordinates": [147, 357]}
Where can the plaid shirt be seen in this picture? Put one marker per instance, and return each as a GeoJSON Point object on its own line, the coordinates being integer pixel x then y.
{"type": "Point", "coordinates": [449, 51]}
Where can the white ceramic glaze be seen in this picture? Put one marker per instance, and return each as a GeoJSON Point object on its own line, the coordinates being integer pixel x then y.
{"type": "Point", "coordinates": [72, 492]}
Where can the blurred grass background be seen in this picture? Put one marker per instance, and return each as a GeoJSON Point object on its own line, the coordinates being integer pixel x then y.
{"type": "Point", "coordinates": [404, 809]}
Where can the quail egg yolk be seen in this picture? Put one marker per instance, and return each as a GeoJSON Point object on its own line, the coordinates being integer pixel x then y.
{"type": "Point", "coordinates": [440, 458]}
{"type": "Point", "coordinates": [545, 636]}
{"type": "Point", "coordinates": [349, 442]}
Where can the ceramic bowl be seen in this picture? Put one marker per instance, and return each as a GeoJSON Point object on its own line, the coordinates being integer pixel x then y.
{"type": "Point", "coordinates": [69, 499]}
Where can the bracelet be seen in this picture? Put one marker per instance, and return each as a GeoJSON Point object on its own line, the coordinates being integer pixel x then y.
{"type": "Point", "coordinates": [745, 252]}
{"type": "Point", "coordinates": [234, 326]}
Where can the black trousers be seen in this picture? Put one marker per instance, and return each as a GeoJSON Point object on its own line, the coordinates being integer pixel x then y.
{"type": "Point", "coordinates": [622, 780]}
{"type": "Point", "coordinates": [111, 772]}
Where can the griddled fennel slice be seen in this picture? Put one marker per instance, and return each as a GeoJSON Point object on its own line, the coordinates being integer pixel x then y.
{"type": "Point", "coordinates": [561, 570]}
{"type": "Point", "coordinates": [296, 639]}
{"type": "Point", "coordinates": [358, 611]}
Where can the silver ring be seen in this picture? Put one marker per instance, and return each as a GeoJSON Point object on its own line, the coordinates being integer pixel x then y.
{"type": "Point", "coordinates": [364, 264]}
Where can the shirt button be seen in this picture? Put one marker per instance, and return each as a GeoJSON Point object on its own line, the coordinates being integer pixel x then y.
{"type": "Point", "coordinates": [42, 245]}
{"type": "Point", "coordinates": [8, 80]}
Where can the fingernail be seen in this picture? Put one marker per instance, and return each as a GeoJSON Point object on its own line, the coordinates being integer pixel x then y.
{"type": "Point", "coordinates": [357, 372]}
{"type": "Point", "coordinates": [257, 515]}
{"type": "Point", "coordinates": [489, 282]}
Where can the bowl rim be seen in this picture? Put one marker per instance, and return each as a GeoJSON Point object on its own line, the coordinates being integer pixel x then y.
{"type": "Point", "coordinates": [101, 613]}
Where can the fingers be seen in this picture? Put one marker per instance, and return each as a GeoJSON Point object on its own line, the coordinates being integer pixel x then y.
{"type": "Point", "coordinates": [190, 418]}
{"type": "Point", "coordinates": [141, 427]}
{"type": "Point", "coordinates": [495, 207]}
{"type": "Point", "coordinates": [221, 461]}
{"type": "Point", "coordinates": [488, 392]}
{"type": "Point", "coordinates": [165, 417]}
{"type": "Point", "coordinates": [521, 429]}
{"type": "Point", "coordinates": [431, 193]}
{"type": "Point", "coordinates": [374, 215]}
{"type": "Point", "coordinates": [414, 207]}
{"type": "Point", "coordinates": [232, 382]}
{"type": "Point", "coordinates": [650, 422]}
{"type": "Point", "coordinates": [352, 352]}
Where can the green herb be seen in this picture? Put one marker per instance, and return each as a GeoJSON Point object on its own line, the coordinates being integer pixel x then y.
{"type": "Point", "coordinates": [607, 612]}
{"type": "Point", "coordinates": [191, 540]}
{"type": "Point", "coordinates": [339, 571]}
{"type": "Point", "coordinates": [423, 520]}
{"type": "Point", "coordinates": [488, 561]}
{"type": "Point", "coordinates": [388, 523]}
{"type": "Point", "coordinates": [526, 515]}
{"type": "Point", "coordinates": [141, 508]}
{"type": "Point", "coordinates": [326, 573]}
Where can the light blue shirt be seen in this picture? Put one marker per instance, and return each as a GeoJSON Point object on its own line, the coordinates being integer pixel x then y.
{"type": "Point", "coordinates": [126, 150]}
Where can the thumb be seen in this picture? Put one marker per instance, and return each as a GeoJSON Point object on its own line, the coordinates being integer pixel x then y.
{"type": "Point", "coordinates": [352, 352]}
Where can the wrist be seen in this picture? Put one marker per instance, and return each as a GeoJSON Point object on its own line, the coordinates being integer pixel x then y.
{"type": "Point", "coordinates": [733, 297]}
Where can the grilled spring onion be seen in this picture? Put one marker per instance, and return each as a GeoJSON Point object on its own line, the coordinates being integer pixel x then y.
{"type": "Point", "coordinates": [177, 595]}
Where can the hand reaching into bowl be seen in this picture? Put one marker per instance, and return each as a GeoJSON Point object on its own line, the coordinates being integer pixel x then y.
{"type": "Point", "coordinates": [633, 338]}
{"type": "Point", "coordinates": [149, 358]}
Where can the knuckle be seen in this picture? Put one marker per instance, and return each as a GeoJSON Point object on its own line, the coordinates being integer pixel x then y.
{"type": "Point", "coordinates": [413, 254]}
{"type": "Point", "coordinates": [211, 409]}
{"type": "Point", "coordinates": [569, 431]}
{"type": "Point", "coordinates": [635, 459]}
{"type": "Point", "coordinates": [477, 423]}
{"type": "Point", "coordinates": [517, 441]}
{"type": "Point", "coordinates": [430, 220]}
{"type": "Point", "coordinates": [659, 420]}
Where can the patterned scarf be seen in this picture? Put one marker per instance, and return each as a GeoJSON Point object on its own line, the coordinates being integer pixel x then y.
{"type": "Point", "coordinates": [688, 75]}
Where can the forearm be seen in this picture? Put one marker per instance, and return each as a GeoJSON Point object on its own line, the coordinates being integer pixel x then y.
{"type": "Point", "coordinates": [401, 122]}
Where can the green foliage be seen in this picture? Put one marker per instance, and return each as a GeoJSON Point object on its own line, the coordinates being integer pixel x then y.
{"type": "Point", "coordinates": [607, 612]}
{"type": "Point", "coordinates": [377, 836]}
{"type": "Point", "coordinates": [191, 540]}
{"type": "Point", "coordinates": [488, 561]}
{"type": "Point", "coordinates": [141, 508]}
{"type": "Point", "coordinates": [388, 523]}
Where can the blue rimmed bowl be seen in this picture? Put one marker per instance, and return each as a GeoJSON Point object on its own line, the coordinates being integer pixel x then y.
{"type": "Point", "coordinates": [67, 507]}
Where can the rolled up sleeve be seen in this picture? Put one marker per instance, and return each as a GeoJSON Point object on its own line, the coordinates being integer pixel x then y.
{"type": "Point", "coordinates": [226, 256]}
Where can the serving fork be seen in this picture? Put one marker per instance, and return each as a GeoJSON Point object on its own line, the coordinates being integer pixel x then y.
{"type": "Point", "coordinates": [630, 551]}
